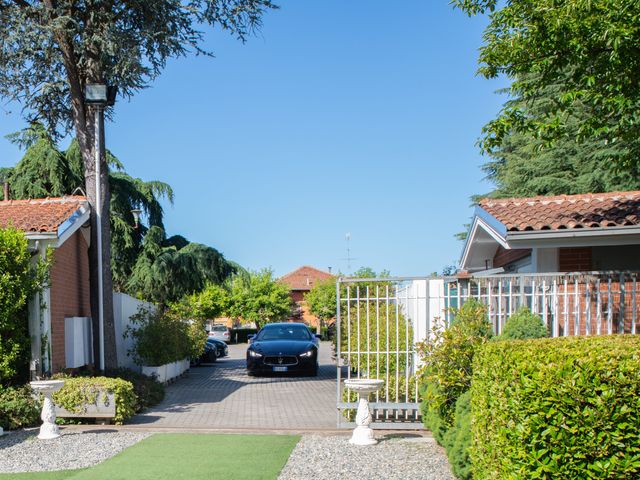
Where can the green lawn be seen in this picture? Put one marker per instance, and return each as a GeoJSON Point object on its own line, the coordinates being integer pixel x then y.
{"type": "Point", "coordinates": [187, 456]}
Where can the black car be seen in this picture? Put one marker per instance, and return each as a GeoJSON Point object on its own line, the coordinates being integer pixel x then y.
{"type": "Point", "coordinates": [283, 348]}
{"type": "Point", "coordinates": [214, 349]}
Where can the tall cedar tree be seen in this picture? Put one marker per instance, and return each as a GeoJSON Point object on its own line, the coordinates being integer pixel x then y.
{"type": "Point", "coordinates": [593, 46]}
{"type": "Point", "coordinates": [51, 49]}
{"type": "Point", "coordinates": [524, 165]}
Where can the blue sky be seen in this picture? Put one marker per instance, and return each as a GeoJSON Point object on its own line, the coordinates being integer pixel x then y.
{"type": "Point", "coordinates": [357, 117]}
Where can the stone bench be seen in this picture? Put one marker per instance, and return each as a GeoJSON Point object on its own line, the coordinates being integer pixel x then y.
{"type": "Point", "coordinates": [103, 411]}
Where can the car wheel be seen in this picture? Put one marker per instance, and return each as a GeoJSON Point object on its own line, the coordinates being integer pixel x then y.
{"type": "Point", "coordinates": [218, 354]}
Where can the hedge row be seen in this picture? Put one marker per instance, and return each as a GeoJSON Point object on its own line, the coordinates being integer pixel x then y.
{"type": "Point", "coordinates": [557, 408]}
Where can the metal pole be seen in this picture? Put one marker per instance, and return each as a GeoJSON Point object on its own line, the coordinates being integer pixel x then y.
{"type": "Point", "coordinates": [338, 354]}
{"type": "Point", "coordinates": [98, 111]}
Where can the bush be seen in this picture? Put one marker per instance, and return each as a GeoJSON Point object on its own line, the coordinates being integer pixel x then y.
{"type": "Point", "coordinates": [557, 408]}
{"type": "Point", "coordinates": [160, 338]}
{"type": "Point", "coordinates": [446, 376]}
{"type": "Point", "coordinates": [458, 438]}
{"type": "Point", "coordinates": [19, 280]}
{"type": "Point", "coordinates": [81, 391]}
{"type": "Point", "coordinates": [149, 392]}
{"type": "Point", "coordinates": [448, 359]}
{"type": "Point", "coordinates": [523, 325]}
{"type": "Point", "coordinates": [18, 408]}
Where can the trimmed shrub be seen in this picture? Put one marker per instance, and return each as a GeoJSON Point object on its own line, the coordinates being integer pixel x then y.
{"type": "Point", "coordinates": [81, 391]}
{"type": "Point", "coordinates": [149, 392]}
{"type": "Point", "coordinates": [523, 325]}
{"type": "Point", "coordinates": [458, 438]}
{"type": "Point", "coordinates": [18, 408]}
{"type": "Point", "coordinates": [557, 408]}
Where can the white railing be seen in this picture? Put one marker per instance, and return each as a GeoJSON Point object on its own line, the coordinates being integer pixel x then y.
{"type": "Point", "coordinates": [584, 303]}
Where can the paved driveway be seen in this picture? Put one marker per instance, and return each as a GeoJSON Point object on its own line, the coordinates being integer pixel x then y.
{"type": "Point", "coordinates": [222, 396]}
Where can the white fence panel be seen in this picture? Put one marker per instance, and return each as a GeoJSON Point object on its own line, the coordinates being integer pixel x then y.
{"type": "Point", "coordinates": [124, 307]}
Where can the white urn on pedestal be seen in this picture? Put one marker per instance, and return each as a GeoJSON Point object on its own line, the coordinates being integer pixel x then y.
{"type": "Point", "coordinates": [48, 429]}
{"type": "Point", "coordinates": [363, 433]}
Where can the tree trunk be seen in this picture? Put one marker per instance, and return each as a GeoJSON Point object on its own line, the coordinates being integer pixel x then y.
{"type": "Point", "coordinates": [84, 122]}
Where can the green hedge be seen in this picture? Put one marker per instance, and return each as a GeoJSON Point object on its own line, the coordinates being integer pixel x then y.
{"type": "Point", "coordinates": [18, 408]}
{"type": "Point", "coordinates": [457, 439]}
{"type": "Point", "coordinates": [557, 408]}
{"type": "Point", "coordinates": [81, 391]}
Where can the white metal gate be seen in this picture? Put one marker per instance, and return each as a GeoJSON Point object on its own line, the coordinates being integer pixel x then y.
{"type": "Point", "coordinates": [379, 320]}
{"type": "Point", "coordinates": [376, 329]}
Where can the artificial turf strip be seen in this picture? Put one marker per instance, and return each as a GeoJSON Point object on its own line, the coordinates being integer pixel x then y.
{"type": "Point", "coordinates": [188, 456]}
{"type": "Point", "coordinates": [57, 475]}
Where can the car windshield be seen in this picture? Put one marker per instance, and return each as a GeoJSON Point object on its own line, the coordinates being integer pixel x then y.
{"type": "Point", "coordinates": [219, 328]}
{"type": "Point", "coordinates": [285, 332]}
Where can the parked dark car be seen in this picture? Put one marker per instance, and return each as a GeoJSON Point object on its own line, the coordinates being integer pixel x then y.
{"type": "Point", "coordinates": [214, 349]}
{"type": "Point", "coordinates": [283, 348]}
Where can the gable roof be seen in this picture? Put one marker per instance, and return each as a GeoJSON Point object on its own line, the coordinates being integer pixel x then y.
{"type": "Point", "coordinates": [44, 215]}
{"type": "Point", "coordinates": [305, 277]}
{"type": "Point", "coordinates": [560, 212]}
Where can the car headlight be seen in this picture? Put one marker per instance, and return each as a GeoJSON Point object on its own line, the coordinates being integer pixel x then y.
{"type": "Point", "coordinates": [253, 353]}
{"type": "Point", "coordinates": [307, 354]}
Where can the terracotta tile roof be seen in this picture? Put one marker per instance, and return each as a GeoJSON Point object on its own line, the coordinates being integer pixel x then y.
{"type": "Point", "coordinates": [591, 210]}
{"type": "Point", "coordinates": [39, 215]}
{"type": "Point", "coordinates": [304, 278]}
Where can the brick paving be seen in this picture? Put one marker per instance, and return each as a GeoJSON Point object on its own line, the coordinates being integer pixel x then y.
{"type": "Point", "coordinates": [222, 396]}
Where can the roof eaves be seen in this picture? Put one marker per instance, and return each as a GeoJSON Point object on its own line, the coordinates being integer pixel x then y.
{"type": "Point", "coordinates": [483, 219]}
{"type": "Point", "coordinates": [71, 224]}
{"type": "Point", "coordinates": [517, 238]}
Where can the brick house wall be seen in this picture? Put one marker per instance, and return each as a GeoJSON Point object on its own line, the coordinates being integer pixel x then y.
{"type": "Point", "coordinates": [70, 295]}
{"type": "Point", "coordinates": [575, 259]}
{"type": "Point", "coordinates": [505, 257]}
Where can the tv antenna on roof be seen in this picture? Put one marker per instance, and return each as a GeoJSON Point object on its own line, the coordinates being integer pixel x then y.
{"type": "Point", "coordinates": [349, 257]}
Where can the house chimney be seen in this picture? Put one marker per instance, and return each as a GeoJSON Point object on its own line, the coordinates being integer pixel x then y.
{"type": "Point", "coordinates": [6, 191]}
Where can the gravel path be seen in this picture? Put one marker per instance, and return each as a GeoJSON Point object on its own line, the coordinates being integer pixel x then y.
{"type": "Point", "coordinates": [334, 457]}
{"type": "Point", "coordinates": [21, 451]}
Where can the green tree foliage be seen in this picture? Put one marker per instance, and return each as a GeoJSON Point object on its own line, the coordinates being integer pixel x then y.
{"type": "Point", "coordinates": [524, 165]}
{"type": "Point", "coordinates": [52, 49]}
{"type": "Point", "coordinates": [19, 279]}
{"type": "Point", "coordinates": [212, 302]}
{"type": "Point", "coordinates": [523, 325]}
{"type": "Point", "coordinates": [128, 193]}
{"type": "Point", "coordinates": [260, 298]}
{"type": "Point", "coordinates": [44, 170]}
{"type": "Point", "coordinates": [321, 300]}
{"type": "Point", "coordinates": [591, 45]}
{"type": "Point", "coordinates": [164, 274]}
